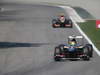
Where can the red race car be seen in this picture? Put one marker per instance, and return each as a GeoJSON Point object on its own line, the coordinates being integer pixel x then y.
{"type": "Point", "coordinates": [62, 21]}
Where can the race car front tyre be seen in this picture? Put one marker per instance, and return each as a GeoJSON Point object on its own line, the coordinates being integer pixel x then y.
{"type": "Point", "coordinates": [86, 53]}
{"type": "Point", "coordinates": [57, 58]}
{"type": "Point", "coordinates": [57, 52]}
{"type": "Point", "coordinates": [90, 48]}
{"type": "Point", "coordinates": [86, 58]}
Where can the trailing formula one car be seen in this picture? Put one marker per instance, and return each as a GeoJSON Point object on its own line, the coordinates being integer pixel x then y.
{"type": "Point", "coordinates": [62, 21]}
{"type": "Point", "coordinates": [73, 50]}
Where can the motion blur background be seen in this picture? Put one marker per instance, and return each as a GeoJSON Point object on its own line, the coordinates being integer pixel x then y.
{"type": "Point", "coordinates": [93, 6]}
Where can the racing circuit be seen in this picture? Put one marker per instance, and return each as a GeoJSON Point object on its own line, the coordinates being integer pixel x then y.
{"type": "Point", "coordinates": [28, 43]}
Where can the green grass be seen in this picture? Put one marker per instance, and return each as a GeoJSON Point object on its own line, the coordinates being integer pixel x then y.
{"type": "Point", "coordinates": [91, 31]}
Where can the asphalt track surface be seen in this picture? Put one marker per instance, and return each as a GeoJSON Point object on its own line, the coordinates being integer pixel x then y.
{"type": "Point", "coordinates": [91, 6]}
{"type": "Point", "coordinates": [27, 43]}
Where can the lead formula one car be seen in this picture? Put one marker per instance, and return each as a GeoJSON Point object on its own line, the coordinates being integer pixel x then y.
{"type": "Point", "coordinates": [73, 50]}
{"type": "Point", "coordinates": [62, 22]}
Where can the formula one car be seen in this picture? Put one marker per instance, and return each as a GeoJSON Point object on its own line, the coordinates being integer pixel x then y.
{"type": "Point", "coordinates": [62, 21]}
{"type": "Point", "coordinates": [73, 50]}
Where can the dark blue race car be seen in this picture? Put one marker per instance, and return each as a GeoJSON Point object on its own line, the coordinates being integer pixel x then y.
{"type": "Point", "coordinates": [73, 50]}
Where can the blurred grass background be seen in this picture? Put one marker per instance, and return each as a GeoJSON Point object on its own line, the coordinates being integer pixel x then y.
{"type": "Point", "coordinates": [89, 27]}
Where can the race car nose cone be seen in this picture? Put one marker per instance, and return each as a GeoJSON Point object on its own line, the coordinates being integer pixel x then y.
{"type": "Point", "coordinates": [71, 49]}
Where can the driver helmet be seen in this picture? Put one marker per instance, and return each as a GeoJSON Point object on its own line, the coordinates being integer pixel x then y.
{"type": "Point", "coordinates": [72, 43]}
{"type": "Point", "coordinates": [62, 17]}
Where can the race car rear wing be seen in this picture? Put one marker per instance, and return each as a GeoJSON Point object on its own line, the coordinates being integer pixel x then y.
{"type": "Point", "coordinates": [78, 39]}
{"type": "Point", "coordinates": [71, 37]}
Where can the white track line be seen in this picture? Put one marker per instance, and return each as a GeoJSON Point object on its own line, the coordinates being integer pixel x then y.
{"type": "Point", "coordinates": [77, 26]}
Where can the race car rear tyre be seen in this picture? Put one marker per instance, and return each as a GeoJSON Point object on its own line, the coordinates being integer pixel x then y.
{"type": "Point", "coordinates": [53, 23]}
{"type": "Point", "coordinates": [71, 23]}
{"type": "Point", "coordinates": [54, 26]}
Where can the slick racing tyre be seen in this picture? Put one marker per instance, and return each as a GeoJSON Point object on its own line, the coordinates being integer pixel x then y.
{"type": "Point", "coordinates": [57, 52]}
{"type": "Point", "coordinates": [86, 53]}
{"type": "Point", "coordinates": [57, 59]}
{"type": "Point", "coordinates": [53, 23]}
{"type": "Point", "coordinates": [90, 48]}
{"type": "Point", "coordinates": [71, 24]}
{"type": "Point", "coordinates": [86, 58]}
